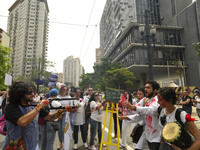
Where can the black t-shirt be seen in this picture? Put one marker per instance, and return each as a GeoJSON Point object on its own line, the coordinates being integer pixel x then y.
{"type": "Point", "coordinates": [13, 113]}
{"type": "Point", "coordinates": [185, 99]}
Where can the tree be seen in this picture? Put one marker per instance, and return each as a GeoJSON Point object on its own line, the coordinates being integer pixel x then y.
{"type": "Point", "coordinates": [5, 64]}
{"type": "Point", "coordinates": [120, 78]}
{"type": "Point", "coordinates": [86, 79]}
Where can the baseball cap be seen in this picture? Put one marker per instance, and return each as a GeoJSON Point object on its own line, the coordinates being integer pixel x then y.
{"type": "Point", "coordinates": [53, 92]}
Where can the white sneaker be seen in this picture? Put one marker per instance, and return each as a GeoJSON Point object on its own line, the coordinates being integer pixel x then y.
{"type": "Point", "coordinates": [104, 145]}
{"type": "Point", "coordinates": [122, 146]}
{"type": "Point", "coordinates": [75, 146]}
{"type": "Point", "coordinates": [85, 144]}
{"type": "Point", "coordinates": [92, 147]}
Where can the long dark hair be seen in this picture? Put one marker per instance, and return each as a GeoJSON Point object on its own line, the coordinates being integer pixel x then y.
{"type": "Point", "coordinates": [92, 98]}
{"type": "Point", "coordinates": [130, 97]}
{"type": "Point", "coordinates": [61, 90]}
{"type": "Point", "coordinates": [18, 90]}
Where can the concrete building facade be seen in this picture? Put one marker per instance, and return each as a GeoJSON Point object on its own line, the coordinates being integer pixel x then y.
{"type": "Point", "coordinates": [98, 56]}
{"type": "Point", "coordinates": [170, 45]}
{"type": "Point", "coordinates": [187, 15]}
{"type": "Point", "coordinates": [28, 30]}
{"type": "Point", "coordinates": [72, 70]}
{"type": "Point", "coordinates": [4, 38]}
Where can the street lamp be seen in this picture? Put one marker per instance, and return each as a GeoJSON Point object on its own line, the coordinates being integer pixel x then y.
{"type": "Point", "coordinates": [150, 35]}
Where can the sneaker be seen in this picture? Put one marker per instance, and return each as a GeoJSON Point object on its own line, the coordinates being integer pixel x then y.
{"type": "Point", "coordinates": [122, 146]}
{"type": "Point", "coordinates": [85, 144]}
{"type": "Point", "coordinates": [104, 145]}
{"type": "Point", "coordinates": [92, 147]}
{"type": "Point", "coordinates": [75, 146]}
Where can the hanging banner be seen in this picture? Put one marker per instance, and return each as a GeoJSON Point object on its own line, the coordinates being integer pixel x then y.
{"type": "Point", "coordinates": [8, 79]}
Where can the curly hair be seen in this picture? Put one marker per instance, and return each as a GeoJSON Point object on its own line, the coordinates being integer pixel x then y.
{"type": "Point", "coordinates": [18, 90]}
{"type": "Point", "coordinates": [154, 84]}
{"type": "Point", "coordinates": [168, 94]}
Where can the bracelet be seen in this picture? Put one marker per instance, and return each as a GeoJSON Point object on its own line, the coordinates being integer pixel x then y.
{"type": "Point", "coordinates": [38, 107]}
{"type": "Point", "coordinates": [59, 113]}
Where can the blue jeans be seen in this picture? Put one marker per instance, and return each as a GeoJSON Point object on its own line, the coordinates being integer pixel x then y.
{"type": "Point", "coordinates": [83, 133]}
{"type": "Point", "coordinates": [95, 126]}
{"type": "Point", "coordinates": [61, 128]}
{"type": "Point", "coordinates": [47, 135]}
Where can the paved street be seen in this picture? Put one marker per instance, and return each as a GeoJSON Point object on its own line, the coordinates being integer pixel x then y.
{"type": "Point", "coordinates": [130, 145]}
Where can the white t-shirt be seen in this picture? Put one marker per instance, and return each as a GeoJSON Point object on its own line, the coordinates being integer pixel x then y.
{"type": "Point", "coordinates": [171, 117]}
{"type": "Point", "coordinates": [80, 113]}
{"type": "Point", "coordinates": [86, 99]}
{"type": "Point", "coordinates": [197, 98]}
{"type": "Point", "coordinates": [96, 114]}
{"type": "Point", "coordinates": [65, 102]}
{"type": "Point", "coordinates": [1, 100]}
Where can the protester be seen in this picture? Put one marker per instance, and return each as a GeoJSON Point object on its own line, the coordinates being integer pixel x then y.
{"type": "Point", "coordinates": [142, 143]}
{"type": "Point", "coordinates": [20, 117]}
{"type": "Point", "coordinates": [79, 120]}
{"type": "Point", "coordinates": [126, 123]}
{"type": "Point", "coordinates": [2, 96]}
{"type": "Point", "coordinates": [115, 120]}
{"type": "Point", "coordinates": [86, 100]}
{"type": "Point", "coordinates": [95, 119]}
{"type": "Point", "coordinates": [148, 108]}
{"type": "Point", "coordinates": [186, 101]}
{"type": "Point", "coordinates": [63, 93]}
{"type": "Point", "coordinates": [197, 101]}
{"type": "Point", "coordinates": [167, 100]}
{"type": "Point", "coordinates": [49, 128]}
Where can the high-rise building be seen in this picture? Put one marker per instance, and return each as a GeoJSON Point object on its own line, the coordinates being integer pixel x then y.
{"type": "Point", "coordinates": [98, 56]}
{"type": "Point", "coordinates": [28, 31]}
{"type": "Point", "coordinates": [72, 70]}
{"type": "Point", "coordinates": [172, 42]}
{"type": "Point", "coordinates": [4, 38]}
{"type": "Point", "coordinates": [118, 14]}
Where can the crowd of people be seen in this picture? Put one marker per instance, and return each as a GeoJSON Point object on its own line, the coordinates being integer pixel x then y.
{"type": "Point", "coordinates": [64, 112]}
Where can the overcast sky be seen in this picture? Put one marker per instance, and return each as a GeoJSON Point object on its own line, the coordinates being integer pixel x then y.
{"type": "Point", "coordinates": [68, 33]}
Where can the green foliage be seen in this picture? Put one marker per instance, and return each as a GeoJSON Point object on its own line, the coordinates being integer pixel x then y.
{"type": "Point", "coordinates": [102, 76]}
{"type": "Point", "coordinates": [196, 46]}
{"type": "Point", "coordinates": [119, 78]}
{"type": "Point", "coordinates": [5, 64]}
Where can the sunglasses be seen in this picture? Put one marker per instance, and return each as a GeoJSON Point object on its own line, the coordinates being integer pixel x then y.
{"type": "Point", "coordinates": [96, 95]}
{"type": "Point", "coordinates": [29, 92]}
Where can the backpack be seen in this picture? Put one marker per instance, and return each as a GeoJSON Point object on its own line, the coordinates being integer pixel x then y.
{"type": "Point", "coordinates": [3, 125]}
{"type": "Point", "coordinates": [177, 115]}
{"type": "Point", "coordinates": [87, 112]}
{"type": "Point", "coordinates": [136, 133]}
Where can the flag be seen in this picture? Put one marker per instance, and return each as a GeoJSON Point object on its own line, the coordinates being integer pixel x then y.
{"type": "Point", "coordinates": [67, 132]}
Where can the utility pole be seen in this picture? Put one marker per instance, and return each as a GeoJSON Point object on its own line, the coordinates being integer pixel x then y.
{"type": "Point", "coordinates": [149, 48]}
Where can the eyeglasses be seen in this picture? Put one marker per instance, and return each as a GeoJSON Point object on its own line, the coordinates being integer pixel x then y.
{"type": "Point", "coordinates": [29, 92]}
{"type": "Point", "coordinates": [96, 95]}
